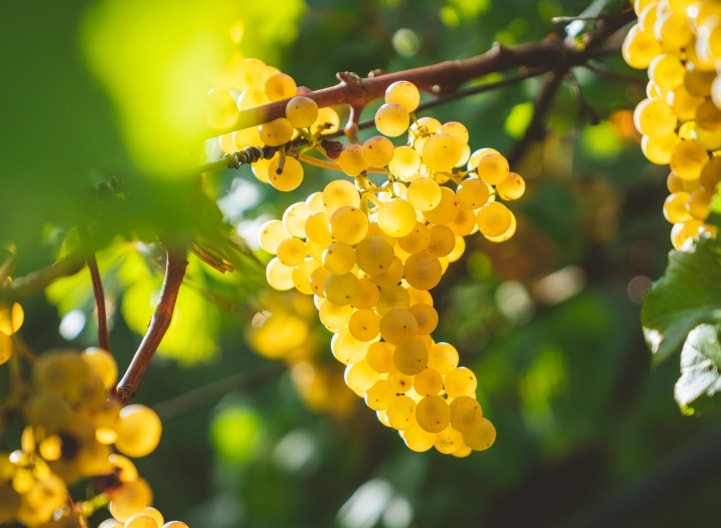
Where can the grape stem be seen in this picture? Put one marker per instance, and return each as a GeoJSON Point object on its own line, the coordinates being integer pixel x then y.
{"type": "Point", "coordinates": [175, 266]}
{"type": "Point", "coordinates": [446, 77]}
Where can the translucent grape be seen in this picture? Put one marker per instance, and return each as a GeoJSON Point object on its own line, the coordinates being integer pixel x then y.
{"type": "Point", "coordinates": [339, 258]}
{"type": "Point", "coordinates": [368, 294]}
{"type": "Point", "coordinates": [428, 382]}
{"type": "Point", "coordinates": [349, 224]}
{"type": "Point", "coordinates": [688, 159]}
{"type": "Point", "coordinates": [339, 193]}
{"type": "Point", "coordinates": [220, 109]}
{"type": "Point", "coordinates": [396, 218]}
{"type": "Point", "coordinates": [380, 356]}
{"type": "Point", "coordinates": [346, 348]}
{"type": "Point", "coordinates": [446, 210]}
{"type": "Point", "coordinates": [410, 358]}
{"type": "Point", "coordinates": [364, 324]}
{"type": "Point", "coordinates": [377, 151]}
{"type": "Point", "coordinates": [401, 412]}
{"type": "Point", "coordinates": [392, 119]}
{"type": "Point", "coordinates": [102, 363]}
{"type": "Point", "coordinates": [405, 162]}
{"type": "Point", "coordinates": [443, 357]}
{"type": "Point", "coordinates": [448, 441]}
{"type": "Point", "coordinates": [351, 160]}
{"type": "Point", "coordinates": [291, 251]}
{"type": "Point", "coordinates": [403, 93]}
{"type": "Point", "coordinates": [424, 194]}
{"type": "Point", "coordinates": [391, 276]}
{"type": "Point", "coordinates": [334, 316]}
{"type": "Point", "coordinates": [481, 437]}
{"type": "Point", "coordinates": [278, 275]}
{"type": "Point", "coordinates": [654, 117]}
{"type": "Point", "coordinates": [426, 317]}
{"type": "Point", "coordinates": [359, 377]}
{"type": "Point", "coordinates": [279, 86]}
{"type": "Point", "coordinates": [493, 168]}
{"type": "Point", "coordinates": [289, 177]}
{"type": "Point", "coordinates": [441, 152]}
{"type": "Point", "coordinates": [512, 188]}
{"type": "Point", "coordinates": [422, 271]}
{"type": "Point", "coordinates": [441, 241]}
{"type": "Point", "coordinates": [418, 439]}
{"type": "Point", "coordinates": [493, 219]}
{"type": "Point", "coordinates": [141, 520]}
{"type": "Point", "coordinates": [674, 207]}
{"type": "Point", "coordinates": [327, 122]}
{"type": "Point", "coordinates": [374, 255]}
{"type": "Point", "coordinates": [276, 132]}
{"type": "Point", "coordinates": [466, 413]}
{"type": "Point", "coordinates": [130, 498]}
{"type": "Point", "coordinates": [472, 193]}
{"type": "Point", "coordinates": [379, 395]}
{"type": "Point", "coordinates": [417, 240]}
{"type": "Point", "coordinates": [341, 289]}
{"type": "Point", "coordinates": [460, 381]}
{"type": "Point", "coordinates": [139, 429]}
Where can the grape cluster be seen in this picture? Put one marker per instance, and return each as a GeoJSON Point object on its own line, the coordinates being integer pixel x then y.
{"type": "Point", "coordinates": [679, 43]}
{"type": "Point", "coordinates": [369, 254]}
{"type": "Point", "coordinates": [75, 432]}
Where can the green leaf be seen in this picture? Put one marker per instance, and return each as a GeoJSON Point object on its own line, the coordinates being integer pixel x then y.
{"type": "Point", "coordinates": [700, 361]}
{"type": "Point", "coordinates": [687, 295]}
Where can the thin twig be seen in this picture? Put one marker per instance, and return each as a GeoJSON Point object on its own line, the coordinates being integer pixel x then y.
{"type": "Point", "coordinates": [175, 266]}
{"type": "Point", "coordinates": [103, 336]}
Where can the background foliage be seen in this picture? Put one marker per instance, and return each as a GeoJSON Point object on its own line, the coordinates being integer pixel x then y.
{"type": "Point", "coordinates": [589, 433]}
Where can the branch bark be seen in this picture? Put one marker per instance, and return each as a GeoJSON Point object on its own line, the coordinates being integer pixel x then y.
{"type": "Point", "coordinates": [175, 267]}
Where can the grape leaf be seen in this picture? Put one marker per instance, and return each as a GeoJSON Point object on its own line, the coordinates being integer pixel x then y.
{"type": "Point", "coordinates": [700, 362]}
{"type": "Point", "coordinates": [687, 295]}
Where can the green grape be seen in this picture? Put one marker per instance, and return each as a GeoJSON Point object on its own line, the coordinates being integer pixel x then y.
{"type": "Point", "coordinates": [481, 437]}
{"type": "Point", "coordinates": [401, 412]}
{"type": "Point", "coordinates": [339, 258]}
{"type": "Point", "coordinates": [130, 498]}
{"type": "Point", "coordinates": [441, 152]}
{"type": "Point", "coordinates": [272, 233]}
{"type": "Point", "coordinates": [446, 210]}
{"type": "Point", "coordinates": [391, 297]}
{"type": "Point", "coordinates": [417, 240]}
{"type": "Point", "coordinates": [349, 224]}
{"type": "Point", "coordinates": [396, 218]}
{"type": "Point", "coordinates": [317, 228]}
{"type": "Point", "coordinates": [364, 325]}
{"type": "Point", "coordinates": [688, 159]}
{"type": "Point", "coordinates": [301, 111]}
{"type": "Point", "coordinates": [428, 382]}
{"type": "Point", "coordinates": [443, 357]}
{"type": "Point", "coordinates": [279, 86]}
{"type": "Point", "coordinates": [379, 395]}
{"type": "Point", "coordinates": [640, 47]}
{"type": "Point", "coordinates": [368, 294]}
{"type": "Point", "coordinates": [380, 356]}
{"type": "Point", "coordinates": [139, 429]}
{"type": "Point", "coordinates": [276, 132]}
{"type": "Point", "coordinates": [422, 271]}
{"type": "Point", "coordinates": [346, 348]}
{"type": "Point", "coordinates": [360, 377]}
{"type": "Point", "coordinates": [374, 255]}
{"type": "Point", "coordinates": [460, 381]}
{"type": "Point", "coordinates": [378, 151]}
{"type": "Point", "coordinates": [410, 358]}
{"type": "Point", "coordinates": [295, 217]}
{"type": "Point", "coordinates": [466, 413]}
{"type": "Point", "coordinates": [674, 207]}
{"type": "Point", "coordinates": [351, 160]}
{"type": "Point", "coordinates": [405, 163]}
{"type": "Point", "coordinates": [398, 326]}
{"type": "Point", "coordinates": [341, 289]}
{"type": "Point", "coordinates": [426, 316]}
{"type": "Point", "coordinates": [441, 241]}
{"type": "Point", "coordinates": [334, 316]}
{"type": "Point", "coordinates": [289, 177]}
{"type": "Point", "coordinates": [291, 252]}
{"type": "Point", "coordinates": [472, 193]}
{"type": "Point", "coordinates": [403, 93]}
{"type": "Point", "coordinates": [417, 439]}
{"type": "Point", "coordinates": [278, 275]}
{"type": "Point", "coordinates": [424, 194]}
{"type": "Point", "coordinates": [340, 193]}
{"type": "Point", "coordinates": [433, 414]}
{"type": "Point", "coordinates": [448, 441]}
{"type": "Point", "coordinates": [392, 120]}
{"type": "Point", "coordinates": [220, 109]}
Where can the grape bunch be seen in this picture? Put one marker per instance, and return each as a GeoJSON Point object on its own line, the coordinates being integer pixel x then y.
{"type": "Point", "coordinates": [74, 433]}
{"type": "Point", "coordinates": [679, 43]}
{"type": "Point", "coordinates": [370, 251]}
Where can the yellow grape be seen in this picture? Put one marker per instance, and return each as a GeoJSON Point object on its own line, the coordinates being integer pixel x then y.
{"type": "Point", "coordinates": [364, 324]}
{"type": "Point", "coordinates": [334, 316]}
{"type": "Point", "coordinates": [433, 414]}
{"type": "Point", "coordinates": [295, 217]}
{"type": "Point", "coordinates": [417, 240]}
{"type": "Point", "coordinates": [103, 364]}
{"type": "Point", "coordinates": [418, 439]}
{"type": "Point", "coordinates": [688, 160]}
{"type": "Point", "coordinates": [443, 357]}
{"type": "Point", "coordinates": [512, 188]}
{"type": "Point", "coordinates": [301, 111]}
{"type": "Point", "coordinates": [426, 316]}
{"type": "Point", "coordinates": [396, 218]}
{"type": "Point", "coordinates": [130, 498]}
{"type": "Point", "coordinates": [391, 297]}
{"type": "Point", "coordinates": [428, 382]}
{"type": "Point", "coordinates": [379, 395]}
{"type": "Point", "coordinates": [403, 93]}
{"type": "Point", "coordinates": [448, 441]}
{"type": "Point", "coordinates": [278, 275]}
{"type": "Point", "coordinates": [466, 413]}
{"type": "Point", "coordinates": [472, 193]}
{"type": "Point", "coordinates": [392, 119]}
{"type": "Point", "coordinates": [398, 326]}
{"type": "Point", "coordinates": [441, 152]}
{"type": "Point", "coordinates": [374, 255]}
{"type": "Point", "coordinates": [339, 258]}
{"type": "Point", "coordinates": [139, 429]}
{"type": "Point", "coordinates": [276, 132]}
{"type": "Point", "coordinates": [405, 163]}
{"type": "Point", "coordinates": [340, 193]}
{"type": "Point", "coordinates": [493, 219]}
{"type": "Point", "coordinates": [380, 356]}
{"type": "Point", "coordinates": [341, 289]}
{"type": "Point", "coordinates": [424, 194]}
{"type": "Point", "coordinates": [377, 151]}
{"type": "Point", "coordinates": [346, 348]}
{"type": "Point", "coordinates": [422, 271]}
{"type": "Point", "coordinates": [401, 412]}
{"type": "Point", "coordinates": [674, 207]}
{"type": "Point", "coordinates": [461, 381]}
{"type": "Point", "coordinates": [410, 358]}
{"type": "Point", "coordinates": [359, 377]}
{"type": "Point", "coordinates": [287, 178]}
{"type": "Point", "coordinates": [447, 208]}
{"type": "Point", "coordinates": [349, 224]}
{"type": "Point", "coordinates": [481, 437]}
{"type": "Point", "coordinates": [279, 86]}
{"type": "Point", "coordinates": [368, 294]}
{"type": "Point", "coordinates": [441, 241]}
{"type": "Point", "coordinates": [351, 160]}
{"type": "Point", "coordinates": [291, 252]}
{"type": "Point", "coordinates": [141, 520]}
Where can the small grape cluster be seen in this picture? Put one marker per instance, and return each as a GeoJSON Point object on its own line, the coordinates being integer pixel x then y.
{"type": "Point", "coordinates": [679, 42]}
{"type": "Point", "coordinates": [74, 432]}
{"type": "Point", "coordinates": [369, 254]}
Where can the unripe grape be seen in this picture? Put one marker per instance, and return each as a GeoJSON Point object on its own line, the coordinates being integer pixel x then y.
{"type": "Point", "coordinates": [378, 151]}
{"type": "Point", "coordinates": [276, 132]}
{"type": "Point", "coordinates": [403, 93]}
{"type": "Point", "coordinates": [392, 119]}
{"type": "Point", "coordinates": [301, 111]}
{"type": "Point", "coordinates": [287, 179]}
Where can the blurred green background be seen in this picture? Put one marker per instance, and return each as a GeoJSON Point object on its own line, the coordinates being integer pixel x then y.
{"type": "Point", "coordinates": [588, 432]}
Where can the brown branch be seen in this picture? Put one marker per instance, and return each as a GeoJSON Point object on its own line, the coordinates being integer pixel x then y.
{"type": "Point", "coordinates": [103, 336]}
{"type": "Point", "coordinates": [175, 266]}
{"type": "Point", "coordinates": [445, 77]}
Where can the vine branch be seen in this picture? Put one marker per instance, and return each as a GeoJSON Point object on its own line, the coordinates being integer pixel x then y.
{"type": "Point", "coordinates": [175, 266]}
{"type": "Point", "coordinates": [103, 336]}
